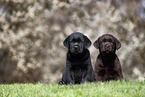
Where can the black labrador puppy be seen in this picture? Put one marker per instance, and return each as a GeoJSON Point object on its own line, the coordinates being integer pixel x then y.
{"type": "Point", "coordinates": [78, 62]}
{"type": "Point", "coordinates": [107, 65]}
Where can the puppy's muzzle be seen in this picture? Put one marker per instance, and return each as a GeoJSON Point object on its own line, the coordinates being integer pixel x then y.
{"type": "Point", "coordinates": [76, 47]}
{"type": "Point", "coordinates": [107, 47]}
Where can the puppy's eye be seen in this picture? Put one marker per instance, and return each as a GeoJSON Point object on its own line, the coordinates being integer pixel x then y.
{"type": "Point", "coordinates": [79, 40]}
{"type": "Point", "coordinates": [71, 41]}
{"type": "Point", "coordinates": [104, 40]}
{"type": "Point", "coordinates": [110, 40]}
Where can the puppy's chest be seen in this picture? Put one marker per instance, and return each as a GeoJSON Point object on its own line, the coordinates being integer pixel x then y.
{"type": "Point", "coordinates": [78, 67]}
{"type": "Point", "coordinates": [107, 71]}
{"type": "Point", "coordinates": [78, 72]}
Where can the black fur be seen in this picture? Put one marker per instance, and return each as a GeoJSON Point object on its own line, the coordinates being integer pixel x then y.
{"type": "Point", "coordinates": [78, 62]}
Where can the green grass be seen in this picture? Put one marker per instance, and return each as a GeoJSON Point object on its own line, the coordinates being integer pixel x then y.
{"type": "Point", "coordinates": [101, 89]}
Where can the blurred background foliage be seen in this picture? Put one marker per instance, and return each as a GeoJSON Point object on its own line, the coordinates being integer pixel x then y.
{"type": "Point", "coordinates": [32, 34]}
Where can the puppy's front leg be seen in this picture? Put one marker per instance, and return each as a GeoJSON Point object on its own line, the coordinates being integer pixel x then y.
{"type": "Point", "coordinates": [118, 69]}
{"type": "Point", "coordinates": [119, 77]}
{"type": "Point", "coordinates": [66, 78]}
{"type": "Point", "coordinates": [71, 78]}
{"type": "Point", "coordinates": [84, 77]}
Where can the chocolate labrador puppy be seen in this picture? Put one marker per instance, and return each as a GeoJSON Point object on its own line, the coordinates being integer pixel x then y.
{"type": "Point", "coordinates": [78, 62]}
{"type": "Point", "coordinates": [107, 65]}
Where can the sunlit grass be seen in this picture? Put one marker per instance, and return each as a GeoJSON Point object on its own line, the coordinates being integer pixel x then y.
{"type": "Point", "coordinates": [101, 89]}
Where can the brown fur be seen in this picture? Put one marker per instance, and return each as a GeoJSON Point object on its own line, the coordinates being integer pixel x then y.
{"type": "Point", "coordinates": [107, 65]}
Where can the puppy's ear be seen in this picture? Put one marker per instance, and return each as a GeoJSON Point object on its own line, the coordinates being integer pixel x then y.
{"type": "Point", "coordinates": [96, 43]}
{"type": "Point", "coordinates": [66, 42]}
{"type": "Point", "coordinates": [118, 44]}
{"type": "Point", "coordinates": [87, 42]}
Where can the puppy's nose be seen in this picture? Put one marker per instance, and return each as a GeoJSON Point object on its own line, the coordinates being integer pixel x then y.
{"type": "Point", "coordinates": [107, 46]}
{"type": "Point", "coordinates": [76, 46]}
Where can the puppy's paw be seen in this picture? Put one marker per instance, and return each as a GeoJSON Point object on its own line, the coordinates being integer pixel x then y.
{"type": "Point", "coordinates": [61, 82]}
